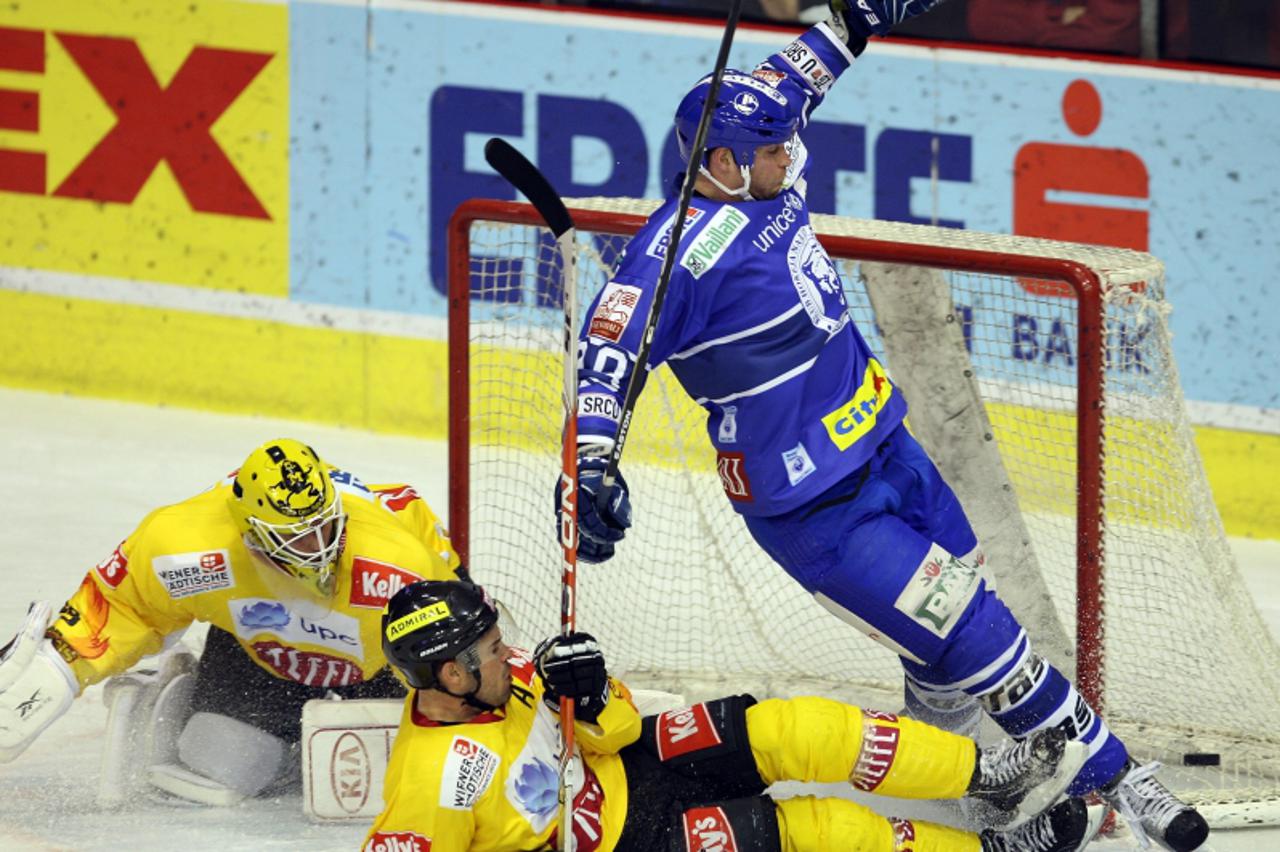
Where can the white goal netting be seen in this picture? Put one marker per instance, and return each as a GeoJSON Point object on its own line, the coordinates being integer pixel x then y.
{"type": "Point", "coordinates": [1085, 487]}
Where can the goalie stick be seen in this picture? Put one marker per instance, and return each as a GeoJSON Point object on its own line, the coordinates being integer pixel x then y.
{"type": "Point", "coordinates": [636, 381]}
{"type": "Point", "coordinates": [524, 176]}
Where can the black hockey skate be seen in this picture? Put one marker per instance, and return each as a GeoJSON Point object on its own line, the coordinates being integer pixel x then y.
{"type": "Point", "coordinates": [1152, 812]}
{"type": "Point", "coordinates": [1066, 827]}
{"type": "Point", "coordinates": [1014, 781]}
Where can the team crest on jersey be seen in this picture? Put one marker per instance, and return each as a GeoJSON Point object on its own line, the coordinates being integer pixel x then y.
{"type": "Point", "coordinates": [187, 574]}
{"type": "Point", "coordinates": [468, 769]}
{"type": "Point", "coordinates": [613, 311]}
{"type": "Point", "coordinates": [815, 278]}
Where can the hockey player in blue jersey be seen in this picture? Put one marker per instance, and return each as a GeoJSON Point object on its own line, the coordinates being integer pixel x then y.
{"type": "Point", "coordinates": [808, 427]}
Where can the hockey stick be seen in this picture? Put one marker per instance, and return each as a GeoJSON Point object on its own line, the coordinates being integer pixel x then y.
{"type": "Point", "coordinates": [524, 176]}
{"type": "Point", "coordinates": [636, 381]}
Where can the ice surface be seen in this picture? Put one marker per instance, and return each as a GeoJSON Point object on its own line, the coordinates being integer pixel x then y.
{"type": "Point", "coordinates": [77, 475]}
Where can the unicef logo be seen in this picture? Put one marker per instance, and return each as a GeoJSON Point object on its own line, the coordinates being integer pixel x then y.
{"type": "Point", "coordinates": [745, 103]}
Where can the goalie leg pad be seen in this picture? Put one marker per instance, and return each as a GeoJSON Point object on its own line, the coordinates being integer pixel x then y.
{"type": "Point", "coordinates": [36, 684]}
{"type": "Point", "coordinates": [345, 747]}
{"type": "Point", "coordinates": [232, 753]}
{"type": "Point", "coordinates": [146, 709]}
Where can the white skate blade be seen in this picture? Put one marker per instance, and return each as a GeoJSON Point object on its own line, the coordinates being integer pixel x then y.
{"type": "Point", "coordinates": [1051, 789]}
{"type": "Point", "coordinates": [1097, 815]}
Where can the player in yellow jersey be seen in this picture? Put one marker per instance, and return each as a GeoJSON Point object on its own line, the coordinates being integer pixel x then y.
{"type": "Point", "coordinates": [290, 562]}
{"type": "Point", "coordinates": [474, 766]}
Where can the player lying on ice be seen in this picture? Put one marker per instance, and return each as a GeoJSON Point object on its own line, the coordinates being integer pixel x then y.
{"type": "Point", "coordinates": [290, 562]}
{"type": "Point", "coordinates": [809, 429]}
{"type": "Point", "coordinates": [474, 766]}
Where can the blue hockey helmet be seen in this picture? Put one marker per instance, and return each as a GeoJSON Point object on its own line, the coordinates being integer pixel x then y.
{"type": "Point", "coordinates": [749, 112]}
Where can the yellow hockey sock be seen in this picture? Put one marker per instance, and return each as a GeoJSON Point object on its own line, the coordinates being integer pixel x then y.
{"type": "Point", "coordinates": [808, 824]}
{"type": "Point", "coordinates": [817, 739]}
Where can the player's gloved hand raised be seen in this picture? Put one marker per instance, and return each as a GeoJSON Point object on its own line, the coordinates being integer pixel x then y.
{"type": "Point", "coordinates": [604, 514]}
{"type": "Point", "coordinates": [877, 17]}
{"type": "Point", "coordinates": [572, 666]}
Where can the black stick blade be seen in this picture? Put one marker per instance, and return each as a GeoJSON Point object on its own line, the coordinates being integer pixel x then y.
{"type": "Point", "coordinates": [524, 176]}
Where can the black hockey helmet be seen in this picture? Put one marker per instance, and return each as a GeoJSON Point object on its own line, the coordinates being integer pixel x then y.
{"type": "Point", "coordinates": [431, 622]}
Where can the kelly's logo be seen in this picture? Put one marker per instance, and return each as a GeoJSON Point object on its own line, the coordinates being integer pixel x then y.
{"type": "Point", "coordinates": [155, 123]}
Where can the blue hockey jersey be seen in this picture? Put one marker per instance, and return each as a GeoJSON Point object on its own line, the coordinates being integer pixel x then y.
{"type": "Point", "coordinates": [754, 326]}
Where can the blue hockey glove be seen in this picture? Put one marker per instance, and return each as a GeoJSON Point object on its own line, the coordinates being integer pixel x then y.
{"type": "Point", "coordinates": [573, 667]}
{"type": "Point", "coordinates": [877, 17]}
{"type": "Point", "coordinates": [604, 515]}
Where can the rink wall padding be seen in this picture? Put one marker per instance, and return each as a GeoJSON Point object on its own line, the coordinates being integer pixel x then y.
{"type": "Point", "coordinates": [231, 364]}
{"type": "Point", "coordinates": [300, 159]}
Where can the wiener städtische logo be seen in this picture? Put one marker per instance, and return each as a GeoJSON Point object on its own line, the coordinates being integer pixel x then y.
{"type": "Point", "coordinates": [146, 139]}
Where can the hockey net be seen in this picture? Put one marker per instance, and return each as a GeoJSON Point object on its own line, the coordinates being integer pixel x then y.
{"type": "Point", "coordinates": [1040, 377]}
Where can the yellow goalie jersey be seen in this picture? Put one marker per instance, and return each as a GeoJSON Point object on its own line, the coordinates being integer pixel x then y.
{"type": "Point", "coordinates": [490, 784]}
{"type": "Point", "coordinates": [187, 562]}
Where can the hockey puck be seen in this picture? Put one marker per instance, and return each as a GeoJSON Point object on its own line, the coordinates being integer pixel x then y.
{"type": "Point", "coordinates": [1201, 758]}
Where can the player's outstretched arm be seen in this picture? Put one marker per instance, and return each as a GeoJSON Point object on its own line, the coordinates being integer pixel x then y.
{"type": "Point", "coordinates": [36, 685]}
{"type": "Point", "coordinates": [877, 17]}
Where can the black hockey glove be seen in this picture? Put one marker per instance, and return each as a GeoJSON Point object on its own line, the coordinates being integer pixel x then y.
{"type": "Point", "coordinates": [604, 515]}
{"type": "Point", "coordinates": [867, 18]}
{"type": "Point", "coordinates": [573, 667]}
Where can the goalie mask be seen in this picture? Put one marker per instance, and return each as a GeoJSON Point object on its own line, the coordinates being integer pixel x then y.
{"type": "Point", "coordinates": [431, 622]}
{"type": "Point", "coordinates": [750, 111]}
{"type": "Point", "coordinates": [289, 512]}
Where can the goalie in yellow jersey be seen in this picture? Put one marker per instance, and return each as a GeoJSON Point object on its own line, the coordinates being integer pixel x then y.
{"type": "Point", "coordinates": [474, 766]}
{"type": "Point", "coordinates": [290, 561]}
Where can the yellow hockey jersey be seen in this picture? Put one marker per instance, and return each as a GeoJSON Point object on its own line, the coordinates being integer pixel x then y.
{"type": "Point", "coordinates": [187, 562]}
{"type": "Point", "coordinates": [491, 784]}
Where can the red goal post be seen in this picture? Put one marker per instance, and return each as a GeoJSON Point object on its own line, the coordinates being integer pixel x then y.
{"type": "Point", "coordinates": [1077, 403]}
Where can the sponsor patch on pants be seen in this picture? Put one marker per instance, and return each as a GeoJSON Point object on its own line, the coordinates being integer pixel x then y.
{"type": "Point", "coordinates": [939, 591]}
